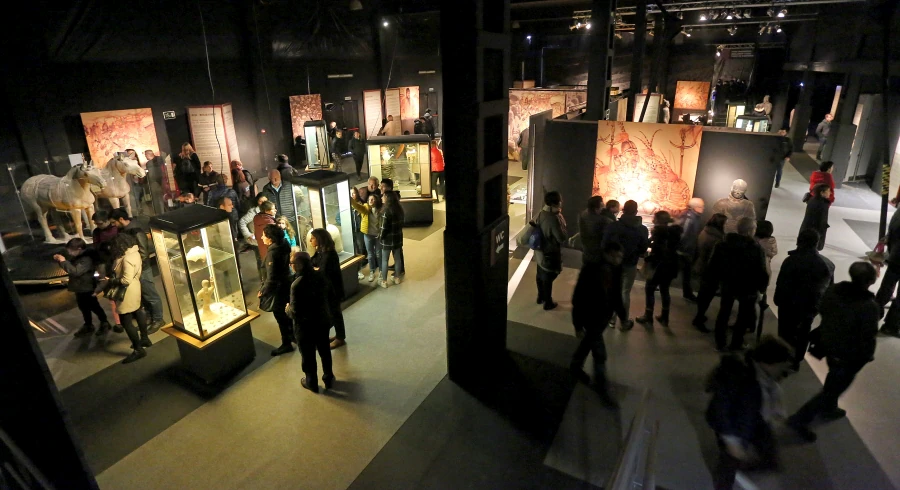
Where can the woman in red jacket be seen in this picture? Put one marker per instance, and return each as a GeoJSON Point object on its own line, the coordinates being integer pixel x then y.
{"type": "Point", "coordinates": [437, 170]}
{"type": "Point", "coordinates": [823, 176]}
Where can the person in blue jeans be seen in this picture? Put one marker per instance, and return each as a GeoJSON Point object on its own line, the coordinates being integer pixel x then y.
{"type": "Point", "coordinates": [391, 238]}
{"type": "Point", "coordinates": [370, 227]}
{"type": "Point", "coordinates": [150, 298]}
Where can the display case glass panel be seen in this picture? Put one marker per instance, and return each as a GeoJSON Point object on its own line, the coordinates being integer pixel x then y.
{"type": "Point", "coordinates": [406, 160]}
{"type": "Point", "coordinates": [317, 145]}
{"type": "Point", "coordinates": [199, 273]}
{"type": "Point", "coordinates": [322, 198]}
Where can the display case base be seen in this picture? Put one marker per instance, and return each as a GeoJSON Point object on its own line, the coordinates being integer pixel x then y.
{"type": "Point", "coordinates": [417, 211]}
{"type": "Point", "coordinates": [220, 355]}
{"type": "Point", "coordinates": [349, 269]}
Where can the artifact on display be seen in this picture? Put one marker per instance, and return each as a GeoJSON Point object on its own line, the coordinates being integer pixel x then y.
{"type": "Point", "coordinates": [71, 194]}
{"type": "Point", "coordinates": [118, 185]}
{"type": "Point", "coordinates": [735, 206]}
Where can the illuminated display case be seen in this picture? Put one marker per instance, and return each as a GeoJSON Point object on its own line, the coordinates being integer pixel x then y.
{"type": "Point", "coordinates": [734, 109]}
{"type": "Point", "coordinates": [755, 124]}
{"type": "Point", "coordinates": [318, 149]}
{"type": "Point", "coordinates": [322, 200]}
{"type": "Point", "coordinates": [404, 159]}
{"type": "Point", "coordinates": [199, 270]}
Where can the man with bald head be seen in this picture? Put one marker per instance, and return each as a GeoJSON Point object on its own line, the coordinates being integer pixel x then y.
{"type": "Point", "coordinates": [281, 194]}
{"type": "Point", "coordinates": [687, 252]}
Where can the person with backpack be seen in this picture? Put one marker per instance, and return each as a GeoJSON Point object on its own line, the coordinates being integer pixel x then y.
{"type": "Point", "coordinates": [553, 234]}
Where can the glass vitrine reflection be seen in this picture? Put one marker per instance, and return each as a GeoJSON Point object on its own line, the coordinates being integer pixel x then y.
{"type": "Point", "coordinates": [199, 270]}
{"type": "Point", "coordinates": [317, 145]}
{"type": "Point", "coordinates": [322, 199]}
{"type": "Point", "coordinates": [406, 160]}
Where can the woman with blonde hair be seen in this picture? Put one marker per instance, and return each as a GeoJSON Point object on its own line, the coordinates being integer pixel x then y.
{"type": "Point", "coordinates": [187, 169]}
{"type": "Point", "coordinates": [289, 234]}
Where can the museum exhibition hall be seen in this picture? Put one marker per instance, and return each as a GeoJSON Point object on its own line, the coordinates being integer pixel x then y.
{"type": "Point", "coordinates": [194, 192]}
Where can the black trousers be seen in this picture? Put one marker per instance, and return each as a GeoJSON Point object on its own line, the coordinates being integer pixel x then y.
{"type": "Point", "coordinates": [133, 336]}
{"type": "Point", "coordinates": [308, 348]}
{"type": "Point", "coordinates": [337, 319]}
{"type": "Point", "coordinates": [87, 304]}
{"type": "Point", "coordinates": [840, 376]}
{"type": "Point", "coordinates": [746, 319]}
{"type": "Point", "coordinates": [794, 327]}
{"type": "Point", "coordinates": [435, 176]}
{"type": "Point", "coordinates": [592, 343]}
{"type": "Point", "coordinates": [687, 267]}
{"type": "Point", "coordinates": [727, 466]}
{"type": "Point", "coordinates": [359, 163]}
{"type": "Point", "coordinates": [545, 280]}
{"type": "Point", "coordinates": [704, 298]}
{"type": "Point", "coordinates": [285, 324]}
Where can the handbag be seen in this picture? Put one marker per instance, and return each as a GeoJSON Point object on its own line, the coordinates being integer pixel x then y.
{"type": "Point", "coordinates": [648, 270]}
{"type": "Point", "coordinates": [267, 302]}
{"type": "Point", "coordinates": [115, 291]}
{"type": "Point", "coordinates": [876, 256]}
{"type": "Point", "coordinates": [806, 197]}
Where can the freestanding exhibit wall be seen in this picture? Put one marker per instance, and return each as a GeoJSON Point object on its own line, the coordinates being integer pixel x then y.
{"type": "Point", "coordinates": [213, 134]}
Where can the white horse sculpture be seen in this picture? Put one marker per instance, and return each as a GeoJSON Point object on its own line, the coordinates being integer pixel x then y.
{"type": "Point", "coordinates": [71, 193]}
{"type": "Point", "coordinates": [118, 187]}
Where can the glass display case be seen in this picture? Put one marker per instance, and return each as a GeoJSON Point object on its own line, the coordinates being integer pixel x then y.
{"type": "Point", "coordinates": [317, 145]}
{"type": "Point", "coordinates": [406, 160]}
{"type": "Point", "coordinates": [322, 200]}
{"type": "Point", "coordinates": [755, 124]}
{"type": "Point", "coordinates": [199, 270]}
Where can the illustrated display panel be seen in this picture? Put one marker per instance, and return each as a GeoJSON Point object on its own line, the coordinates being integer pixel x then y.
{"type": "Point", "coordinates": [653, 164]}
{"type": "Point", "coordinates": [691, 95]}
{"type": "Point", "coordinates": [304, 108]}
{"type": "Point", "coordinates": [110, 131]}
{"type": "Point", "coordinates": [523, 104]}
{"type": "Point", "coordinates": [316, 146]}
{"type": "Point", "coordinates": [409, 108]}
{"type": "Point", "coordinates": [210, 276]}
{"type": "Point", "coordinates": [408, 165]}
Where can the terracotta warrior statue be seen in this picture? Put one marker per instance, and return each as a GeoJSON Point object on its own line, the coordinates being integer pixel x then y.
{"type": "Point", "coordinates": [71, 193]}
{"type": "Point", "coordinates": [735, 206]}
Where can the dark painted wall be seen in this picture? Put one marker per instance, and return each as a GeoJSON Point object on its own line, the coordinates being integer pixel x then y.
{"type": "Point", "coordinates": [567, 165]}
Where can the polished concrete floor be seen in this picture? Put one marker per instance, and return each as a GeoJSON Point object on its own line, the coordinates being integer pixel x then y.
{"type": "Point", "coordinates": [395, 421]}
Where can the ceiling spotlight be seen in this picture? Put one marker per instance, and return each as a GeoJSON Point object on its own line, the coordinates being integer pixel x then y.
{"type": "Point", "coordinates": [729, 16]}
{"type": "Point", "coordinates": [680, 15]}
{"type": "Point", "coordinates": [385, 23]}
{"type": "Point", "coordinates": [748, 14]}
{"type": "Point", "coordinates": [718, 53]}
{"type": "Point", "coordinates": [714, 15]}
{"type": "Point", "coordinates": [732, 30]}
{"type": "Point", "coordinates": [618, 35]}
{"type": "Point", "coordinates": [703, 16]}
{"type": "Point", "coordinates": [762, 30]}
{"type": "Point", "coordinates": [687, 32]}
{"type": "Point", "coordinates": [777, 28]}
{"type": "Point", "coordinates": [528, 37]}
{"type": "Point", "coordinates": [587, 26]}
{"type": "Point", "coordinates": [355, 5]}
{"type": "Point", "coordinates": [781, 13]}
{"type": "Point", "coordinates": [769, 30]}
{"type": "Point", "coordinates": [770, 12]}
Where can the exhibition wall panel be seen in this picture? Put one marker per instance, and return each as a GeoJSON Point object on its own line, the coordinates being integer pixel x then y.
{"type": "Point", "coordinates": [566, 165]}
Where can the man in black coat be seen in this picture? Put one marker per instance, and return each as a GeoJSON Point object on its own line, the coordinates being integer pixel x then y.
{"type": "Point", "coordinates": [629, 232]}
{"type": "Point", "coordinates": [687, 251]}
{"type": "Point", "coordinates": [739, 265]}
{"type": "Point", "coordinates": [787, 149]}
{"type": "Point", "coordinates": [802, 281]}
{"type": "Point", "coordinates": [846, 338]}
{"type": "Point", "coordinates": [745, 401]}
{"type": "Point", "coordinates": [309, 310]}
{"type": "Point", "coordinates": [597, 297]}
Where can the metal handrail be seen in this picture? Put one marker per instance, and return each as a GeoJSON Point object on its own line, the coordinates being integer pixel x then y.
{"type": "Point", "coordinates": [640, 444]}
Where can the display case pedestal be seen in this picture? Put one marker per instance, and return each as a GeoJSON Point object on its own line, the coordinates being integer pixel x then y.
{"type": "Point", "coordinates": [220, 355]}
{"type": "Point", "coordinates": [417, 211]}
{"type": "Point", "coordinates": [349, 271]}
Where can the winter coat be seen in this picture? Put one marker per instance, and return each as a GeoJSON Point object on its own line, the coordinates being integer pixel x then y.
{"type": "Point", "coordinates": [549, 256]}
{"type": "Point", "coordinates": [309, 307]}
{"type": "Point", "coordinates": [282, 198]}
{"type": "Point", "coordinates": [706, 243]}
{"type": "Point", "coordinates": [81, 272]}
{"type": "Point", "coordinates": [816, 217]}
{"type": "Point", "coordinates": [739, 264]}
{"type": "Point", "coordinates": [219, 192]}
{"type": "Point", "coordinates": [893, 241]}
{"type": "Point", "coordinates": [428, 122]}
{"type": "Point", "coordinates": [104, 235]}
{"type": "Point", "coordinates": [437, 160]}
{"type": "Point", "coordinates": [134, 229]}
{"type": "Point", "coordinates": [278, 272]}
{"type": "Point", "coordinates": [663, 256]}
{"type": "Point", "coordinates": [391, 234]}
{"type": "Point", "coordinates": [629, 232]}
{"type": "Point", "coordinates": [358, 148]}
{"type": "Point", "coordinates": [691, 228]}
{"type": "Point", "coordinates": [244, 224]}
{"type": "Point", "coordinates": [787, 147]}
{"type": "Point", "coordinates": [127, 272]}
{"type": "Point", "coordinates": [287, 171]}
{"type": "Point", "coordinates": [329, 266]}
{"type": "Point", "coordinates": [736, 405]}
{"type": "Point", "coordinates": [819, 177]}
{"type": "Point", "coordinates": [367, 214]}
{"type": "Point", "coordinates": [208, 180]}
{"type": "Point", "coordinates": [849, 325]}
{"type": "Point", "coordinates": [591, 227]}
{"type": "Point", "coordinates": [597, 296]}
{"type": "Point", "coordinates": [770, 248]}
{"type": "Point", "coordinates": [804, 276]}
{"type": "Point", "coordinates": [822, 130]}
{"type": "Point", "coordinates": [259, 224]}
{"type": "Point", "coordinates": [187, 167]}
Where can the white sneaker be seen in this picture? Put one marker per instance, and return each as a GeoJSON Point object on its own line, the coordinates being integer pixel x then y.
{"type": "Point", "coordinates": [360, 276]}
{"type": "Point", "coordinates": [371, 276]}
{"type": "Point", "coordinates": [383, 284]}
{"type": "Point", "coordinates": [397, 280]}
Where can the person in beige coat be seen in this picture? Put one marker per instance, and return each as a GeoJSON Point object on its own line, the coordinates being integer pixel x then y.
{"type": "Point", "coordinates": [127, 272]}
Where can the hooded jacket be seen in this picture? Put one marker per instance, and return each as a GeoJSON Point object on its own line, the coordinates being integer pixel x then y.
{"type": "Point", "coordinates": [804, 276]}
{"type": "Point", "coordinates": [816, 216]}
{"type": "Point", "coordinates": [629, 232]}
{"type": "Point", "coordinates": [81, 271]}
{"type": "Point", "coordinates": [739, 264]}
{"type": "Point", "coordinates": [849, 325]}
{"type": "Point", "coordinates": [591, 227]}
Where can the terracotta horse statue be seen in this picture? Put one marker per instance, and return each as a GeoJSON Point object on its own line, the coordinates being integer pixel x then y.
{"type": "Point", "coordinates": [71, 193]}
{"type": "Point", "coordinates": [118, 187]}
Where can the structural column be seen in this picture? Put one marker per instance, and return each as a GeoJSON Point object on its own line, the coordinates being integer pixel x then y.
{"type": "Point", "coordinates": [637, 54]}
{"type": "Point", "coordinates": [476, 252]}
{"type": "Point", "coordinates": [802, 113]}
{"type": "Point", "coordinates": [600, 60]}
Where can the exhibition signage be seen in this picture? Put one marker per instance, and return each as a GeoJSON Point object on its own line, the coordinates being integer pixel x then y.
{"type": "Point", "coordinates": [372, 110]}
{"type": "Point", "coordinates": [108, 132]}
{"type": "Point", "coordinates": [213, 135]}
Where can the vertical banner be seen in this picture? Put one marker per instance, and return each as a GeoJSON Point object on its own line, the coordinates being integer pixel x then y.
{"type": "Point", "coordinates": [110, 131]}
{"type": "Point", "coordinates": [372, 111]}
{"type": "Point", "coordinates": [652, 114]}
{"type": "Point", "coordinates": [304, 108]}
{"type": "Point", "coordinates": [213, 136]}
{"type": "Point", "coordinates": [392, 103]}
{"type": "Point", "coordinates": [409, 108]}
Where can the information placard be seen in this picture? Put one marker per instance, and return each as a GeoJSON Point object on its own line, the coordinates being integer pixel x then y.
{"type": "Point", "coordinates": [213, 136]}
{"type": "Point", "coordinates": [409, 108]}
{"type": "Point", "coordinates": [372, 110]}
{"type": "Point", "coordinates": [392, 103]}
